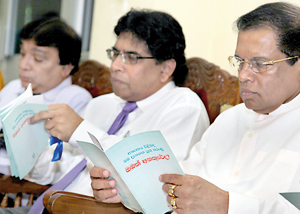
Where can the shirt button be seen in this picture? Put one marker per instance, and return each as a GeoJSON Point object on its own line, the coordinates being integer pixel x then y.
{"type": "Point", "coordinates": [250, 135]}
{"type": "Point", "coordinates": [237, 173]}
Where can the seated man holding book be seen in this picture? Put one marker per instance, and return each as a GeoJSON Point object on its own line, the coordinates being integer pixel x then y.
{"type": "Point", "coordinates": [250, 156]}
{"type": "Point", "coordinates": [50, 53]}
{"type": "Point", "coordinates": [148, 65]}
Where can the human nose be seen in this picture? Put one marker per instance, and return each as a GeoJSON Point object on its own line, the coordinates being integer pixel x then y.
{"type": "Point", "coordinates": [25, 63]}
{"type": "Point", "coordinates": [245, 72]}
{"type": "Point", "coordinates": [117, 64]}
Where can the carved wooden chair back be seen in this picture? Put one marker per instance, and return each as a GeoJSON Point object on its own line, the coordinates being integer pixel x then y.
{"type": "Point", "coordinates": [94, 77]}
{"type": "Point", "coordinates": [219, 85]}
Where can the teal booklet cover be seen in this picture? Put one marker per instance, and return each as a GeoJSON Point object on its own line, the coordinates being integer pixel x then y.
{"type": "Point", "coordinates": [136, 163]}
{"type": "Point", "coordinates": [293, 198]}
{"type": "Point", "coordinates": [24, 142]}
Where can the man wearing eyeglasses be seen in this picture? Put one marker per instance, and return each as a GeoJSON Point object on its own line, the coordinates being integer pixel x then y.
{"type": "Point", "coordinates": [148, 64]}
{"type": "Point", "coordinates": [251, 153]}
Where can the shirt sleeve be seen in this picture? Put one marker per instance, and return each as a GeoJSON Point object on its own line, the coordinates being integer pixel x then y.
{"type": "Point", "coordinates": [182, 132]}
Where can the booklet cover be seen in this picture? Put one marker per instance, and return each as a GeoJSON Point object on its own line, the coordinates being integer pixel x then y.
{"type": "Point", "coordinates": [136, 163]}
{"type": "Point", "coordinates": [24, 142]}
{"type": "Point", "coordinates": [293, 198]}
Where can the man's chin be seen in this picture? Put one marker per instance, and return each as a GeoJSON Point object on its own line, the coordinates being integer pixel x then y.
{"type": "Point", "coordinates": [250, 104]}
{"type": "Point", "coordinates": [24, 84]}
{"type": "Point", "coordinates": [121, 94]}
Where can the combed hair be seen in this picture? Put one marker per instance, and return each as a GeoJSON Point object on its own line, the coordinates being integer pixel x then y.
{"type": "Point", "coordinates": [162, 34]}
{"type": "Point", "coordinates": [283, 18]}
{"type": "Point", "coordinates": [53, 32]}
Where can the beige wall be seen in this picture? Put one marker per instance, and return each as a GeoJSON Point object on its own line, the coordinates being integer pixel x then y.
{"type": "Point", "coordinates": [207, 25]}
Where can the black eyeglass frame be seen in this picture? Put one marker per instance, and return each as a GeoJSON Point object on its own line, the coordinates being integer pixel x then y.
{"type": "Point", "coordinates": [127, 57]}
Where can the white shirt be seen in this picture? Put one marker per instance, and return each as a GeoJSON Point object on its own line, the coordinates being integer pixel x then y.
{"type": "Point", "coordinates": [253, 156]}
{"type": "Point", "coordinates": [176, 111]}
{"type": "Point", "coordinates": [73, 95]}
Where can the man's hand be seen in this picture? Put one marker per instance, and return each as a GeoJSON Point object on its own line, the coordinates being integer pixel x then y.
{"type": "Point", "coordinates": [194, 195]}
{"type": "Point", "coordinates": [61, 120]}
{"type": "Point", "coordinates": [103, 188]}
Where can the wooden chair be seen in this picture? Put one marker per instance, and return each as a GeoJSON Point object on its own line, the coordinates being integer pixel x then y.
{"type": "Point", "coordinates": [94, 77]}
{"type": "Point", "coordinates": [219, 86]}
{"type": "Point", "coordinates": [10, 184]}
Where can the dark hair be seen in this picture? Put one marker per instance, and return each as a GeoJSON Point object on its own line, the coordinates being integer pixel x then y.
{"type": "Point", "coordinates": [283, 18]}
{"type": "Point", "coordinates": [53, 32]}
{"type": "Point", "coordinates": [162, 34]}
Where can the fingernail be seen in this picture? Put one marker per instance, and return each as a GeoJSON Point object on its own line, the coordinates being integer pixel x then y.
{"type": "Point", "coordinates": [105, 173]}
{"type": "Point", "coordinates": [112, 183]}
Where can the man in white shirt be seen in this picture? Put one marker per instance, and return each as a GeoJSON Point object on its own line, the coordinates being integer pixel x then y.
{"type": "Point", "coordinates": [148, 65]}
{"type": "Point", "coordinates": [251, 153]}
{"type": "Point", "coordinates": [50, 53]}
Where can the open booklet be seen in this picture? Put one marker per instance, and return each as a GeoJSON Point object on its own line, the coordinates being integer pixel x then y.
{"type": "Point", "coordinates": [136, 163]}
{"type": "Point", "coordinates": [24, 142]}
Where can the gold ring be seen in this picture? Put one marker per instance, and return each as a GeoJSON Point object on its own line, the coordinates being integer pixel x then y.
{"type": "Point", "coordinates": [173, 203]}
{"type": "Point", "coordinates": [172, 190]}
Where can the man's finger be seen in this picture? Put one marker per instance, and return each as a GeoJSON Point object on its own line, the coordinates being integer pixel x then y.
{"type": "Point", "coordinates": [97, 172]}
{"type": "Point", "coordinates": [171, 179]}
{"type": "Point", "coordinates": [43, 115]}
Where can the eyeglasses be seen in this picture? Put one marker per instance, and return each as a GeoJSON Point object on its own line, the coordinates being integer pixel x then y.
{"type": "Point", "coordinates": [256, 65]}
{"type": "Point", "coordinates": [127, 57]}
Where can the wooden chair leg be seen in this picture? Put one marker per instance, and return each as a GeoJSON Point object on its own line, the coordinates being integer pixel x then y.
{"type": "Point", "coordinates": [18, 200]}
{"type": "Point", "coordinates": [4, 202]}
{"type": "Point", "coordinates": [30, 201]}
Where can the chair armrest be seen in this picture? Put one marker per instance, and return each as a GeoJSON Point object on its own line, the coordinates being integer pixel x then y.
{"type": "Point", "coordinates": [67, 202]}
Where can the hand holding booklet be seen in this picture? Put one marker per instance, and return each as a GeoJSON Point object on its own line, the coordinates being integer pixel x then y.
{"type": "Point", "coordinates": [136, 163]}
{"type": "Point", "coordinates": [24, 142]}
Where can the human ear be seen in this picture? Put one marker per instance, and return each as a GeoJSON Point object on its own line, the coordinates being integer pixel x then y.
{"type": "Point", "coordinates": [66, 70]}
{"type": "Point", "coordinates": [168, 68]}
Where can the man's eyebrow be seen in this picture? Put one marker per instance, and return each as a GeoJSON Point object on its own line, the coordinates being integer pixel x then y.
{"type": "Point", "coordinates": [40, 51]}
{"type": "Point", "coordinates": [252, 59]}
{"type": "Point", "coordinates": [130, 52]}
{"type": "Point", "coordinates": [259, 58]}
{"type": "Point", "coordinates": [237, 56]}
